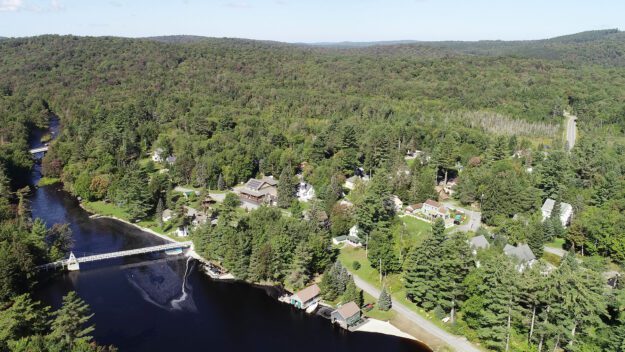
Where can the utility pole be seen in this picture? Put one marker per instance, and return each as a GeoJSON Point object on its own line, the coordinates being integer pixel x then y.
{"type": "Point", "coordinates": [380, 270]}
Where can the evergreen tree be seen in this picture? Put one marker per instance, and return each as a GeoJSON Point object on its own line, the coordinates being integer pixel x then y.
{"type": "Point", "coordinates": [553, 174]}
{"type": "Point", "coordinates": [23, 206]}
{"type": "Point", "coordinates": [24, 317]}
{"type": "Point", "coordinates": [499, 149]}
{"type": "Point", "coordinates": [352, 293]}
{"type": "Point", "coordinates": [299, 271]}
{"type": "Point", "coordinates": [287, 188]}
{"type": "Point", "coordinates": [423, 185]}
{"type": "Point", "coordinates": [221, 184]}
{"type": "Point", "coordinates": [384, 301]}
{"type": "Point", "coordinates": [381, 252]}
{"type": "Point", "coordinates": [556, 221]}
{"type": "Point", "coordinates": [536, 238]}
{"type": "Point", "coordinates": [296, 209]}
{"type": "Point", "coordinates": [445, 155]}
{"type": "Point", "coordinates": [492, 290]}
{"type": "Point", "coordinates": [422, 268]}
{"type": "Point", "coordinates": [334, 281]}
{"type": "Point", "coordinates": [69, 326]}
{"type": "Point", "coordinates": [159, 212]}
{"type": "Point", "coordinates": [454, 265]}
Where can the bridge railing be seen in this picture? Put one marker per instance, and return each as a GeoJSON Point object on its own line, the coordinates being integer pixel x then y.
{"type": "Point", "coordinates": [118, 254]}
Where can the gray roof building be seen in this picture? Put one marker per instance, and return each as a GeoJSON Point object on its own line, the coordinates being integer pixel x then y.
{"type": "Point", "coordinates": [479, 242]}
{"type": "Point", "coordinates": [521, 252]}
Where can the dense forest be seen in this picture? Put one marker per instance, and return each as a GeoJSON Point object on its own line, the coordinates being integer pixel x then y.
{"type": "Point", "coordinates": [232, 109]}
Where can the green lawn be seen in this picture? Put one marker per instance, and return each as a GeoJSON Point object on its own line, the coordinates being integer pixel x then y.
{"type": "Point", "coordinates": [47, 181]}
{"type": "Point", "coordinates": [552, 258]}
{"type": "Point", "coordinates": [394, 282]}
{"type": "Point", "coordinates": [415, 228]}
{"type": "Point", "coordinates": [109, 209]}
{"type": "Point", "coordinates": [556, 243]}
{"type": "Point", "coordinates": [106, 209]}
{"type": "Point", "coordinates": [375, 313]}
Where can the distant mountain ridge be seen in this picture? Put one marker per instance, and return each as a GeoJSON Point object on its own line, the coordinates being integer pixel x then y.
{"type": "Point", "coordinates": [603, 47]}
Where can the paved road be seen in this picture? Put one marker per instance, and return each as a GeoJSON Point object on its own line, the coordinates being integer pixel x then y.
{"type": "Point", "coordinates": [457, 343]}
{"type": "Point", "coordinates": [571, 130]}
{"type": "Point", "coordinates": [475, 218]}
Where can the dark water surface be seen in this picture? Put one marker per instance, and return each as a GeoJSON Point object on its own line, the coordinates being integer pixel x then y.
{"type": "Point", "coordinates": [159, 303]}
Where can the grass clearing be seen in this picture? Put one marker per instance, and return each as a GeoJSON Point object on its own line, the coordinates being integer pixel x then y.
{"type": "Point", "coordinates": [552, 258]}
{"type": "Point", "coordinates": [106, 209]}
{"type": "Point", "coordinates": [394, 282]}
{"type": "Point", "coordinates": [415, 229]}
{"type": "Point", "coordinates": [556, 243]}
{"type": "Point", "coordinates": [47, 181]}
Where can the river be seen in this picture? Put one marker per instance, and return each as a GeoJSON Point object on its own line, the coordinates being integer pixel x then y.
{"type": "Point", "coordinates": [158, 303]}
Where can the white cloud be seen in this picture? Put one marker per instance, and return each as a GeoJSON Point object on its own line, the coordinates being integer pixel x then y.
{"type": "Point", "coordinates": [10, 5]}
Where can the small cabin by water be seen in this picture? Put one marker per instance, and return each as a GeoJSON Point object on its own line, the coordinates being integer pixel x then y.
{"type": "Point", "coordinates": [346, 315]}
{"type": "Point", "coordinates": [306, 297]}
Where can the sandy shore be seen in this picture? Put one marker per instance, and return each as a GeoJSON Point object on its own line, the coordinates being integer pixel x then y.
{"type": "Point", "coordinates": [383, 327]}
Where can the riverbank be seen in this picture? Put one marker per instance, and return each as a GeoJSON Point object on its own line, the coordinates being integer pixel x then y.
{"type": "Point", "coordinates": [372, 326]}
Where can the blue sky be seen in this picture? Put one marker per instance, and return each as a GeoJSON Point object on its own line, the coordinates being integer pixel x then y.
{"type": "Point", "coordinates": [312, 21]}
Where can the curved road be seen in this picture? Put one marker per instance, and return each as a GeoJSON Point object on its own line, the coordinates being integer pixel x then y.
{"type": "Point", "coordinates": [571, 130]}
{"type": "Point", "coordinates": [457, 343]}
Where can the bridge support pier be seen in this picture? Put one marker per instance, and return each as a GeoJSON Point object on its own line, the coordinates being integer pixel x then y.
{"type": "Point", "coordinates": [72, 263]}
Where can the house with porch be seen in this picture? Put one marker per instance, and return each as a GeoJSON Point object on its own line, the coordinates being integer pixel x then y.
{"type": "Point", "coordinates": [260, 191]}
{"type": "Point", "coordinates": [346, 315]}
{"type": "Point", "coordinates": [307, 297]}
{"type": "Point", "coordinates": [352, 239]}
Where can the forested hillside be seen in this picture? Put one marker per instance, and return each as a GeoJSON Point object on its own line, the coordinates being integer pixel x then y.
{"type": "Point", "coordinates": [231, 109]}
{"type": "Point", "coordinates": [601, 47]}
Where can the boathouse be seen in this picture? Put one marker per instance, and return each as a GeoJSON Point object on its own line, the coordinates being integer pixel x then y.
{"type": "Point", "coordinates": [347, 315]}
{"type": "Point", "coordinates": [306, 297]}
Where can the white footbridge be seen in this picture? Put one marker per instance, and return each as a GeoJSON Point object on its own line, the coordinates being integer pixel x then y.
{"type": "Point", "coordinates": [39, 150]}
{"type": "Point", "coordinates": [73, 262]}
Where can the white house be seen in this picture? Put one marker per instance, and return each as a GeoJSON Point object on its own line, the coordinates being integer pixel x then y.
{"type": "Point", "coordinates": [182, 231]}
{"type": "Point", "coordinates": [351, 182]}
{"type": "Point", "coordinates": [354, 231]}
{"type": "Point", "coordinates": [167, 215]}
{"type": "Point", "coordinates": [157, 155]}
{"type": "Point", "coordinates": [566, 211]}
{"type": "Point", "coordinates": [351, 239]}
{"type": "Point", "coordinates": [305, 192]}
{"type": "Point", "coordinates": [397, 203]}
